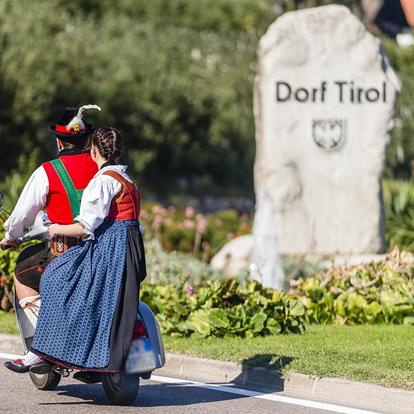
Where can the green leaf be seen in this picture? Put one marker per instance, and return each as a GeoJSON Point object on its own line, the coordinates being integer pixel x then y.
{"type": "Point", "coordinates": [199, 322]}
{"type": "Point", "coordinates": [218, 318]}
{"type": "Point", "coordinates": [409, 320]}
{"type": "Point", "coordinates": [273, 326]}
{"type": "Point", "coordinates": [296, 308]}
{"type": "Point", "coordinates": [257, 322]}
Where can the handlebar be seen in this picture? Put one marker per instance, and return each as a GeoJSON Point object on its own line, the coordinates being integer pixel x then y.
{"type": "Point", "coordinates": [7, 246]}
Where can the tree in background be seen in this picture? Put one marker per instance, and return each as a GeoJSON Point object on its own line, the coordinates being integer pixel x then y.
{"type": "Point", "coordinates": [400, 154]}
{"type": "Point", "coordinates": [181, 96]}
{"type": "Point", "coordinates": [175, 76]}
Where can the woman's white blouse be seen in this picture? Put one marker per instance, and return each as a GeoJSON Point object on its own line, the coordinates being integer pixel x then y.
{"type": "Point", "coordinates": [97, 198]}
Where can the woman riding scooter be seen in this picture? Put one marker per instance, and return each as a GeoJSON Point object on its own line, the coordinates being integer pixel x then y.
{"type": "Point", "coordinates": [90, 293]}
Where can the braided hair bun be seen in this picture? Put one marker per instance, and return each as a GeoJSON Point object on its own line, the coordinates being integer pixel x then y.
{"type": "Point", "coordinates": [108, 142]}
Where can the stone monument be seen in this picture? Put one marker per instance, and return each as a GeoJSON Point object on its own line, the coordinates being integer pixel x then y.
{"type": "Point", "coordinates": [324, 101]}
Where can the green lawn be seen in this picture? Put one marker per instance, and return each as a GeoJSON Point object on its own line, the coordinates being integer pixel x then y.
{"type": "Point", "coordinates": [377, 354]}
{"type": "Point", "coordinates": [8, 323]}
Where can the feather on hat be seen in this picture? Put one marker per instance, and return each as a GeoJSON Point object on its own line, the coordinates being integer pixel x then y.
{"type": "Point", "coordinates": [71, 125]}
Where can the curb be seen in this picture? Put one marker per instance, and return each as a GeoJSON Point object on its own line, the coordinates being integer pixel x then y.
{"type": "Point", "coordinates": [330, 390]}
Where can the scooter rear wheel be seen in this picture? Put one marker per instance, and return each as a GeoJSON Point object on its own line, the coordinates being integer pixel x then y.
{"type": "Point", "coordinates": [45, 382]}
{"type": "Point", "coordinates": [120, 388]}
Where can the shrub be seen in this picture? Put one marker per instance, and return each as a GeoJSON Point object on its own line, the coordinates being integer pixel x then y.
{"type": "Point", "coordinates": [223, 308]}
{"type": "Point", "coordinates": [176, 268]}
{"type": "Point", "coordinates": [401, 150]}
{"type": "Point", "coordinates": [296, 267]}
{"type": "Point", "coordinates": [180, 96]}
{"type": "Point", "coordinates": [399, 214]}
{"type": "Point", "coordinates": [188, 298]}
{"type": "Point", "coordinates": [189, 231]}
{"type": "Point", "coordinates": [13, 184]}
{"type": "Point", "coordinates": [372, 293]}
{"type": "Point", "coordinates": [7, 263]}
{"type": "Point", "coordinates": [184, 106]}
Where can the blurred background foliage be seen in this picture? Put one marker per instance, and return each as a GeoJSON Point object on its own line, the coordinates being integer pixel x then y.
{"type": "Point", "coordinates": [175, 76]}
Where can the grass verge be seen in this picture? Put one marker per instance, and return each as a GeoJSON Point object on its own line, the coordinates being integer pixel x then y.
{"type": "Point", "coordinates": [8, 323]}
{"type": "Point", "coordinates": [380, 354]}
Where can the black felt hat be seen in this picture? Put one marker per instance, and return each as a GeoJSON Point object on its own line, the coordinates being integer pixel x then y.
{"type": "Point", "coordinates": [71, 127]}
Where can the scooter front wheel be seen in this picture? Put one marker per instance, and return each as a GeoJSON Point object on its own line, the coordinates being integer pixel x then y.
{"type": "Point", "coordinates": [120, 388]}
{"type": "Point", "coordinates": [45, 382]}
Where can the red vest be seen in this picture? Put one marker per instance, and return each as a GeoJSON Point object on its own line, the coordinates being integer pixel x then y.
{"type": "Point", "coordinates": [81, 170]}
{"type": "Point", "coordinates": [126, 204]}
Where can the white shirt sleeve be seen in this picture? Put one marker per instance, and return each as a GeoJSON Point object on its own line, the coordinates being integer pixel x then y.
{"type": "Point", "coordinates": [31, 201]}
{"type": "Point", "coordinates": [96, 202]}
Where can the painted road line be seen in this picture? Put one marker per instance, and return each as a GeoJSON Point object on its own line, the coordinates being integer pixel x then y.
{"type": "Point", "coordinates": [270, 397]}
{"type": "Point", "coordinates": [245, 393]}
{"type": "Point", "coordinates": [4, 355]}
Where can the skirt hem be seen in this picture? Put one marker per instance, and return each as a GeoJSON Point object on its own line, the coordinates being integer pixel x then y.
{"type": "Point", "coordinates": [68, 365]}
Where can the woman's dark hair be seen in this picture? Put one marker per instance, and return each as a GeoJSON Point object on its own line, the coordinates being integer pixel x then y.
{"type": "Point", "coordinates": [108, 141]}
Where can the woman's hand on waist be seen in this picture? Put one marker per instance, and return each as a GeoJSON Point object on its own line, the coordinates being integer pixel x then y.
{"type": "Point", "coordinates": [53, 230]}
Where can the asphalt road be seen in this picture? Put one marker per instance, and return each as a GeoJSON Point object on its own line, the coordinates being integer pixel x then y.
{"type": "Point", "coordinates": [20, 396]}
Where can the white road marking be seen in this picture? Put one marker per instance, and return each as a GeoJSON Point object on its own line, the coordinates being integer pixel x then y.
{"type": "Point", "coordinates": [270, 397]}
{"type": "Point", "coordinates": [246, 393]}
{"type": "Point", "coordinates": [9, 356]}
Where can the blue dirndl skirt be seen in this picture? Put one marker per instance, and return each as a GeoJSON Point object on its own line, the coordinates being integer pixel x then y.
{"type": "Point", "coordinates": [84, 291]}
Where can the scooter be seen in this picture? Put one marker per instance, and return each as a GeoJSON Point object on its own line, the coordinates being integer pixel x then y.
{"type": "Point", "coordinates": [146, 351]}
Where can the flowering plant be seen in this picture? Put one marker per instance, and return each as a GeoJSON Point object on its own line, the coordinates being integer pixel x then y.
{"type": "Point", "coordinates": [189, 231]}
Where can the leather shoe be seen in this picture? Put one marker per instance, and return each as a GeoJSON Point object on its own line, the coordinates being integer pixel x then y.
{"type": "Point", "coordinates": [17, 366]}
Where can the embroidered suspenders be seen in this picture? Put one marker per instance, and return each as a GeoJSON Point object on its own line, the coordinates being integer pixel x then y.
{"type": "Point", "coordinates": [74, 195]}
{"type": "Point", "coordinates": [60, 244]}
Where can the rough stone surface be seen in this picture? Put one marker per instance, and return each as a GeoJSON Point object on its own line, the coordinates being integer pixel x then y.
{"type": "Point", "coordinates": [320, 150]}
{"type": "Point", "coordinates": [234, 256]}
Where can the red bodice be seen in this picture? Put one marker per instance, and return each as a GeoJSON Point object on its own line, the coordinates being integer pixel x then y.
{"type": "Point", "coordinates": [126, 204]}
{"type": "Point", "coordinates": [81, 170]}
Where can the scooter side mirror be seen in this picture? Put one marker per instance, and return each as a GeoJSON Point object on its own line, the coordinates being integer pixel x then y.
{"type": "Point", "coordinates": [1, 199]}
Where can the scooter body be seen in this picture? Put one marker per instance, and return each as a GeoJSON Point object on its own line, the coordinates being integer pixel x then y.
{"type": "Point", "coordinates": [146, 352]}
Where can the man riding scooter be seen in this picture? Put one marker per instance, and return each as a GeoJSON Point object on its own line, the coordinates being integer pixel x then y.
{"type": "Point", "coordinates": [56, 186]}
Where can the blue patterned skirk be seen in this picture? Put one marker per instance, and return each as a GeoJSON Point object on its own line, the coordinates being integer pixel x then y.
{"type": "Point", "coordinates": [80, 291]}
